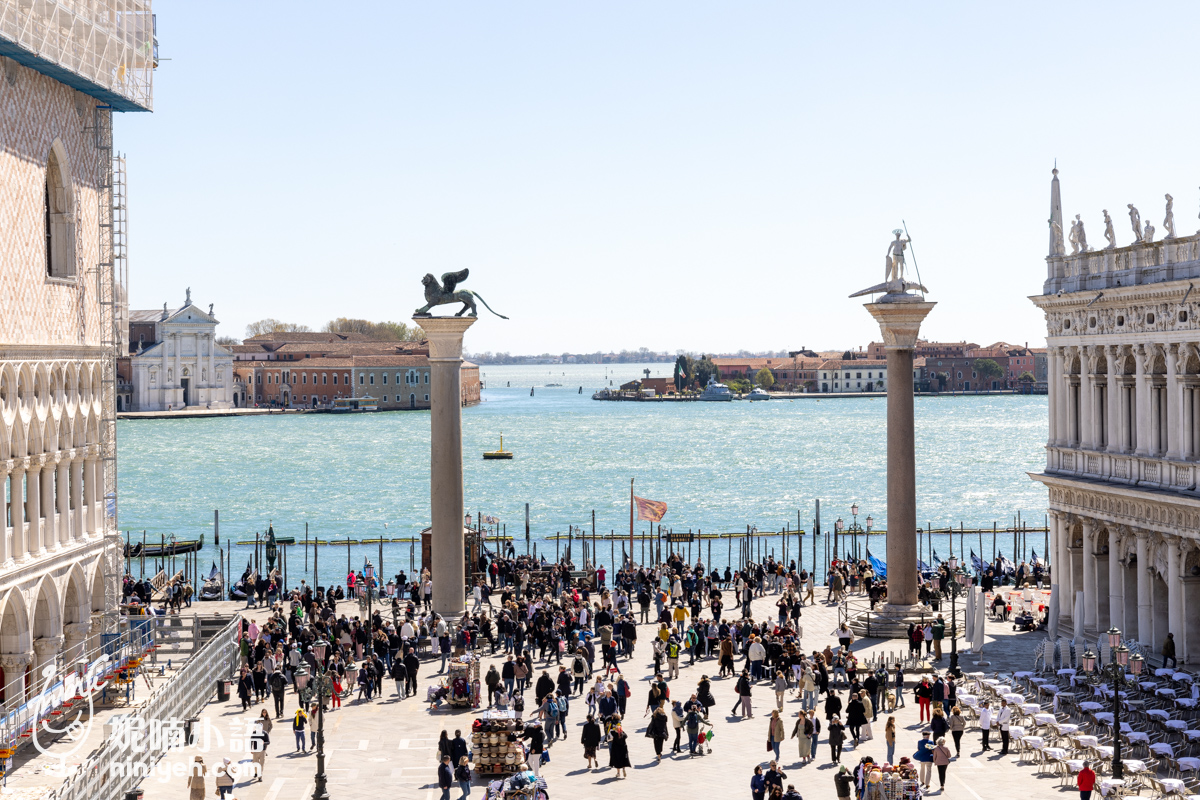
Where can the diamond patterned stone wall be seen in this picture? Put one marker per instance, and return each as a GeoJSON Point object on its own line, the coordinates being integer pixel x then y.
{"type": "Point", "coordinates": [36, 111]}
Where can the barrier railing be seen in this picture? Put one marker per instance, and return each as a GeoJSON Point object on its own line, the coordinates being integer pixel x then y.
{"type": "Point", "coordinates": [120, 763]}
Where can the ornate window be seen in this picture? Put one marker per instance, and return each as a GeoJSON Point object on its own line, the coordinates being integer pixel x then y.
{"type": "Point", "coordinates": [58, 219]}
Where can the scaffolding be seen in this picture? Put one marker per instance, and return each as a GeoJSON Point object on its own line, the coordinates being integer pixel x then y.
{"type": "Point", "coordinates": [103, 48]}
{"type": "Point", "coordinates": [111, 217]}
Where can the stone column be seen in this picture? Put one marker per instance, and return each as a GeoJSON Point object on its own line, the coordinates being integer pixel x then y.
{"type": "Point", "coordinates": [1174, 404]}
{"type": "Point", "coordinates": [1145, 603]}
{"type": "Point", "coordinates": [1142, 394]}
{"type": "Point", "coordinates": [1113, 399]}
{"type": "Point", "coordinates": [91, 493]}
{"type": "Point", "coordinates": [1054, 392]}
{"type": "Point", "coordinates": [1090, 600]}
{"type": "Point", "coordinates": [46, 650]}
{"type": "Point", "coordinates": [1116, 585]}
{"type": "Point", "coordinates": [17, 509]}
{"type": "Point", "coordinates": [1174, 590]}
{"type": "Point", "coordinates": [14, 665]}
{"type": "Point", "coordinates": [447, 559]}
{"type": "Point", "coordinates": [48, 529]}
{"type": "Point", "coordinates": [77, 494]}
{"type": "Point", "coordinates": [6, 553]}
{"type": "Point", "coordinates": [1087, 400]}
{"type": "Point", "coordinates": [1058, 560]}
{"type": "Point", "coordinates": [74, 638]}
{"type": "Point", "coordinates": [33, 504]}
{"type": "Point", "coordinates": [63, 487]}
{"type": "Point", "coordinates": [900, 323]}
{"type": "Point", "coordinates": [177, 393]}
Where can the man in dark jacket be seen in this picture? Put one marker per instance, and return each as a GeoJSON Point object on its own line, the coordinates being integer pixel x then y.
{"type": "Point", "coordinates": [445, 777]}
{"type": "Point", "coordinates": [412, 664]}
{"type": "Point", "coordinates": [545, 686]}
{"type": "Point", "coordinates": [278, 686]}
{"type": "Point", "coordinates": [399, 674]}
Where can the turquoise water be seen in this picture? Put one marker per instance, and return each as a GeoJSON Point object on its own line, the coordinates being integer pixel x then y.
{"type": "Point", "coordinates": [718, 466]}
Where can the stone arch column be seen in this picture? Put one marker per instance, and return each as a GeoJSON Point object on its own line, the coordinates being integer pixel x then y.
{"type": "Point", "coordinates": [15, 666]}
{"type": "Point", "coordinates": [75, 637]}
{"type": "Point", "coordinates": [46, 652]}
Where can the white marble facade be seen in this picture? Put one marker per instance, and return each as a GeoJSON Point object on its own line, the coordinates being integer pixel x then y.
{"type": "Point", "coordinates": [1123, 451]}
{"type": "Point", "coordinates": [183, 365]}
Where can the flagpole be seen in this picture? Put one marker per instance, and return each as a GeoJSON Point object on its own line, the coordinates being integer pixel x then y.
{"type": "Point", "coordinates": [631, 524]}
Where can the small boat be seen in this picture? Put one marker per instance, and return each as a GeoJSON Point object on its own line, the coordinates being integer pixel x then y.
{"type": "Point", "coordinates": [717, 392]}
{"type": "Point", "coordinates": [239, 590]}
{"type": "Point", "coordinates": [168, 547]}
{"type": "Point", "coordinates": [758, 393]}
{"type": "Point", "coordinates": [549, 385]}
{"type": "Point", "coordinates": [214, 585]}
{"type": "Point", "coordinates": [493, 455]}
{"type": "Point", "coordinates": [347, 405]}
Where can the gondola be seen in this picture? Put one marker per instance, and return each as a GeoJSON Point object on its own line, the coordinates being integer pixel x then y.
{"type": "Point", "coordinates": [244, 584]}
{"type": "Point", "coordinates": [214, 585]}
{"type": "Point", "coordinates": [164, 548]}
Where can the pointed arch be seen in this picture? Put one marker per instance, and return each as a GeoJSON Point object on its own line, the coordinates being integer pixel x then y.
{"type": "Point", "coordinates": [14, 625]}
{"type": "Point", "coordinates": [46, 622]}
{"type": "Point", "coordinates": [96, 596]}
{"type": "Point", "coordinates": [58, 208]}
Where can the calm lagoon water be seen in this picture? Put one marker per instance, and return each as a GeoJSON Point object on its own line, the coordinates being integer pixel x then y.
{"type": "Point", "coordinates": [718, 466]}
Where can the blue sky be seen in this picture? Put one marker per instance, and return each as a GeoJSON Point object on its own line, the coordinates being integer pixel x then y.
{"type": "Point", "coordinates": [699, 175]}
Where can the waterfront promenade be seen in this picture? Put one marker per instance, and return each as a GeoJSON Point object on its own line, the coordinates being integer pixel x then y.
{"type": "Point", "coordinates": [387, 747]}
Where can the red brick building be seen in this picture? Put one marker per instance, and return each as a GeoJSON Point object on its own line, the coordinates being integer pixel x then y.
{"type": "Point", "coordinates": [312, 370]}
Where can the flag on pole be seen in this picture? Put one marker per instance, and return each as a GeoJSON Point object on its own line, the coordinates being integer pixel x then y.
{"type": "Point", "coordinates": [650, 510]}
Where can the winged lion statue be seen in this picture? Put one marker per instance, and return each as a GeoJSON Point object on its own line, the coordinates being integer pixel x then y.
{"type": "Point", "coordinates": [439, 294]}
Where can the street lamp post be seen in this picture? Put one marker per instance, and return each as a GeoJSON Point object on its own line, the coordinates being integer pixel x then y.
{"type": "Point", "coordinates": [854, 529]}
{"type": "Point", "coordinates": [838, 527]}
{"type": "Point", "coordinates": [870, 524]}
{"type": "Point", "coordinates": [1114, 671]}
{"type": "Point", "coordinates": [955, 586]}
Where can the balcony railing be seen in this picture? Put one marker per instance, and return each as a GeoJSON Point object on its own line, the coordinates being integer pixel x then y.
{"type": "Point", "coordinates": [1130, 469]}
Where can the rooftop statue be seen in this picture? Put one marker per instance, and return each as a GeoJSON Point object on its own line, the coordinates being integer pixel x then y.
{"type": "Point", "coordinates": [440, 294]}
{"type": "Point", "coordinates": [1169, 220]}
{"type": "Point", "coordinates": [894, 283]}
{"type": "Point", "coordinates": [1108, 231]}
{"type": "Point", "coordinates": [1078, 237]}
{"type": "Point", "coordinates": [1056, 231]}
{"type": "Point", "coordinates": [1135, 219]}
{"type": "Point", "coordinates": [1148, 233]}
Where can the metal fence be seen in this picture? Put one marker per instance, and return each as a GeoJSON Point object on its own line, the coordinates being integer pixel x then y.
{"type": "Point", "coordinates": [179, 699]}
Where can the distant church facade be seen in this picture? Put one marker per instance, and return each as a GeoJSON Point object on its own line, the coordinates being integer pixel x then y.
{"type": "Point", "coordinates": [175, 361]}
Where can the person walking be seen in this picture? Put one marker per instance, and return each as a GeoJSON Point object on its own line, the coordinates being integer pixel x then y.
{"type": "Point", "coordinates": [744, 698]}
{"type": "Point", "coordinates": [758, 785]}
{"type": "Point", "coordinates": [898, 685]}
{"type": "Point", "coordinates": [196, 779]}
{"type": "Point", "coordinates": [780, 688]}
{"type": "Point", "coordinates": [657, 730]}
{"type": "Point", "coordinates": [844, 782]}
{"type": "Point", "coordinates": [802, 733]}
{"type": "Point", "coordinates": [537, 744]}
{"type": "Point", "coordinates": [889, 737]}
{"type": "Point", "coordinates": [941, 760]}
{"type": "Point", "coordinates": [445, 777]}
{"type": "Point", "coordinates": [924, 694]}
{"type": "Point", "coordinates": [590, 739]}
{"type": "Point", "coordinates": [462, 774]}
{"type": "Point", "coordinates": [958, 724]}
{"type": "Point", "coordinates": [1168, 651]}
{"type": "Point", "coordinates": [856, 717]}
{"type": "Point", "coordinates": [299, 721]}
{"type": "Point", "coordinates": [278, 685]}
{"type": "Point", "coordinates": [224, 778]}
{"type": "Point", "coordinates": [1085, 781]}
{"type": "Point", "coordinates": [618, 750]}
{"type": "Point", "coordinates": [836, 736]}
{"type": "Point", "coordinates": [775, 734]}
{"type": "Point", "coordinates": [924, 757]}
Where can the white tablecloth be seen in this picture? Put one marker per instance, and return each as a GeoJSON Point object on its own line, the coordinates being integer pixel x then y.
{"type": "Point", "coordinates": [1165, 693]}
{"type": "Point", "coordinates": [1023, 674]}
{"type": "Point", "coordinates": [1108, 785]}
{"type": "Point", "coordinates": [1066, 730]}
{"type": "Point", "coordinates": [1047, 688]}
{"type": "Point", "coordinates": [1087, 741]}
{"type": "Point", "coordinates": [1014, 698]}
{"type": "Point", "coordinates": [1148, 686]}
{"type": "Point", "coordinates": [1181, 676]}
{"type": "Point", "coordinates": [1137, 736]}
{"type": "Point", "coordinates": [1188, 764]}
{"type": "Point", "coordinates": [968, 700]}
{"type": "Point", "coordinates": [1173, 785]}
{"type": "Point", "coordinates": [1055, 752]}
{"type": "Point", "coordinates": [1030, 708]}
{"type": "Point", "coordinates": [1066, 672]}
{"type": "Point", "coordinates": [1090, 706]}
{"type": "Point", "coordinates": [1161, 713]}
{"type": "Point", "coordinates": [1192, 735]}
{"type": "Point", "coordinates": [1044, 719]}
{"type": "Point", "coordinates": [1186, 702]}
{"type": "Point", "coordinates": [1162, 749]}
{"type": "Point", "coordinates": [1104, 750]}
{"type": "Point", "coordinates": [1176, 724]}
{"type": "Point", "coordinates": [1036, 742]}
{"type": "Point", "coordinates": [1105, 717]}
{"type": "Point", "coordinates": [1134, 765]}
{"type": "Point", "coordinates": [1163, 673]}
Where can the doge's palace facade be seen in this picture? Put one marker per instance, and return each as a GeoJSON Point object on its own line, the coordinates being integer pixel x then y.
{"type": "Point", "coordinates": [1123, 453]}
{"type": "Point", "coordinates": [64, 69]}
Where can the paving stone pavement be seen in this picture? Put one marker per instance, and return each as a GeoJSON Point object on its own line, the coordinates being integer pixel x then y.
{"type": "Point", "coordinates": [387, 748]}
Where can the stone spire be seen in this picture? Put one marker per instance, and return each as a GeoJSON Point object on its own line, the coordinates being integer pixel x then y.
{"type": "Point", "coordinates": [1056, 218]}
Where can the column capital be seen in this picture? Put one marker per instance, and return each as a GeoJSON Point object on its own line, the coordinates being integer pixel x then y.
{"type": "Point", "coordinates": [20, 464]}
{"type": "Point", "coordinates": [37, 461]}
{"type": "Point", "coordinates": [15, 662]}
{"type": "Point", "coordinates": [48, 645]}
{"type": "Point", "coordinates": [899, 323]}
{"type": "Point", "coordinates": [445, 336]}
{"type": "Point", "coordinates": [76, 630]}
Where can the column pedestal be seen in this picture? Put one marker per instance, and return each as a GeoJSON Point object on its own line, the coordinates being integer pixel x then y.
{"type": "Point", "coordinates": [899, 317]}
{"type": "Point", "coordinates": [447, 544]}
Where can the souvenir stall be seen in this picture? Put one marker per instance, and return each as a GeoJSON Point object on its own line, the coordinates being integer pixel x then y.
{"type": "Point", "coordinates": [496, 742]}
{"type": "Point", "coordinates": [460, 687]}
{"type": "Point", "coordinates": [521, 786]}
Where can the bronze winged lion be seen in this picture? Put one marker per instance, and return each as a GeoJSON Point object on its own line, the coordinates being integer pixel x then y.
{"type": "Point", "coordinates": [439, 294]}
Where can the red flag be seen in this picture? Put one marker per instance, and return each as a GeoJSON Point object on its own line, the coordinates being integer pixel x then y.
{"type": "Point", "coordinates": [650, 510]}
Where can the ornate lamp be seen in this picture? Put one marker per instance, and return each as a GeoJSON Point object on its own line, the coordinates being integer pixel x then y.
{"type": "Point", "coordinates": [1089, 661]}
{"type": "Point", "coordinates": [1123, 656]}
{"type": "Point", "coordinates": [1136, 662]}
{"type": "Point", "coordinates": [1114, 637]}
{"type": "Point", "coordinates": [854, 509]}
{"type": "Point", "coordinates": [952, 564]}
{"type": "Point", "coordinates": [319, 650]}
{"type": "Point", "coordinates": [870, 523]}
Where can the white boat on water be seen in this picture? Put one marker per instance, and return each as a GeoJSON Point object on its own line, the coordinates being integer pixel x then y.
{"type": "Point", "coordinates": [759, 393]}
{"type": "Point", "coordinates": [718, 392]}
